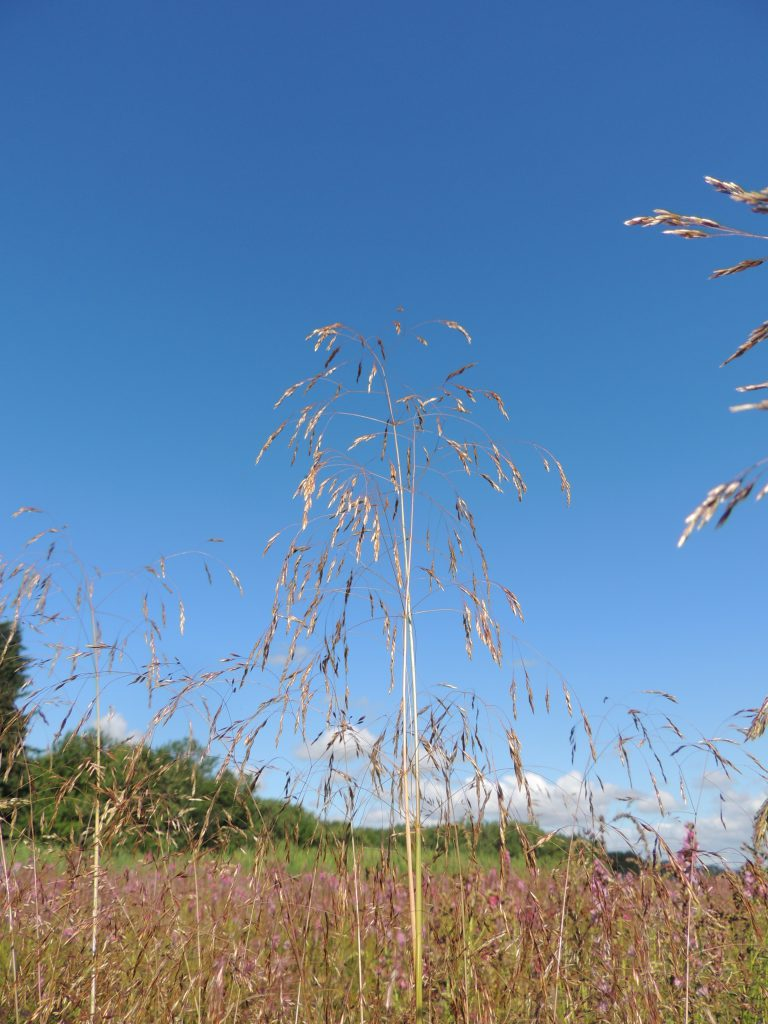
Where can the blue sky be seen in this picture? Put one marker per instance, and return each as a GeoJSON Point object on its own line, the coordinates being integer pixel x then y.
{"type": "Point", "coordinates": [188, 189]}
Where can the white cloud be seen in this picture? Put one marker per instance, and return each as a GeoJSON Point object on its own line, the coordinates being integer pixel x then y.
{"type": "Point", "coordinates": [563, 803]}
{"type": "Point", "coordinates": [347, 744]}
{"type": "Point", "coordinates": [114, 728]}
{"type": "Point", "coordinates": [572, 803]}
{"type": "Point", "coordinates": [277, 660]}
{"type": "Point", "coordinates": [379, 816]}
{"type": "Point", "coordinates": [723, 822]}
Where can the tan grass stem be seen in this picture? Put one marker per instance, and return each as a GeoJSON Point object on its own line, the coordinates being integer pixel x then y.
{"type": "Point", "coordinates": [96, 864]}
{"type": "Point", "coordinates": [11, 931]}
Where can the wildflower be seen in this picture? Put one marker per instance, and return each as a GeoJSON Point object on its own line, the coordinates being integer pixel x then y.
{"type": "Point", "coordinates": [688, 853]}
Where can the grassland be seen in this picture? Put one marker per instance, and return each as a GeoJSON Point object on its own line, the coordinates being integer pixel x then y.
{"type": "Point", "coordinates": [199, 939]}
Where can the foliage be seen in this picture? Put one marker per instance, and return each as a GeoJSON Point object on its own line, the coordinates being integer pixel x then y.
{"type": "Point", "coordinates": [161, 798]}
{"type": "Point", "coordinates": [172, 798]}
{"type": "Point", "coordinates": [13, 719]}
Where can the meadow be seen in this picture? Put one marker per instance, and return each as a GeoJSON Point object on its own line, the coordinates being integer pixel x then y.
{"type": "Point", "coordinates": [204, 940]}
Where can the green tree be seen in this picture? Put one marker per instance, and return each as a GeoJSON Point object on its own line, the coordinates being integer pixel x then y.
{"type": "Point", "coordinates": [165, 798]}
{"type": "Point", "coordinates": [13, 719]}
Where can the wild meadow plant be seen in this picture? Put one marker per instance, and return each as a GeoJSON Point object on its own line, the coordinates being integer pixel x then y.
{"type": "Point", "coordinates": [206, 940]}
{"type": "Point", "coordinates": [722, 499]}
{"type": "Point", "coordinates": [388, 538]}
{"type": "Point", "coordinates": [384, 528]}
{"type": "Point", "coordinates": [211, 904]}
{"type": "Point", "coordinates": [59, 607]}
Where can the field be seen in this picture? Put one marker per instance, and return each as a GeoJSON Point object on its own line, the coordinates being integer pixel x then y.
{"type": "Point", "coordinates": [204, 940]}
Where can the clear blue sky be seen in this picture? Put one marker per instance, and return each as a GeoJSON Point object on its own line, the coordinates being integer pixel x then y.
{"type": "Point", "coordinates": [189, 188]}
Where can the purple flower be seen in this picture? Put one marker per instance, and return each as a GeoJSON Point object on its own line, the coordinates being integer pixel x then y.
{"type": "Point", "coordinates": [688, 853]}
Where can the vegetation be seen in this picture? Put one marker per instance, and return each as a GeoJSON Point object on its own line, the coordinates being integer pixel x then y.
{"type": "Point", "coordinates": [150, 884]}
{"type": "Point", "coordinates": [172, 799]}
{"type": "Point", "coordinates": [724, 498]}
{"type": "Point", "coordinates": [200, 941]}
{"type": "Point", "coordinates": [393, 523]}
{"type": "Point", "coordinates": [157, 799]}
{"type": "Point", "coordinates": [13, 720]}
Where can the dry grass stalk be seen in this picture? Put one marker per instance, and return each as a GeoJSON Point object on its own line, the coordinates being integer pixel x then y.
{"type": "Point", "coordinates": [725, 497]}
{"type": "Point", "coordinates": [363, 548]}
{"type": "Point", "coordinates": [721, 500]}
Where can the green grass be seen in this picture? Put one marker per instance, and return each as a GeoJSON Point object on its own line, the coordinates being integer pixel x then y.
{"type": "Point", "coordinates": [451, 851]}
